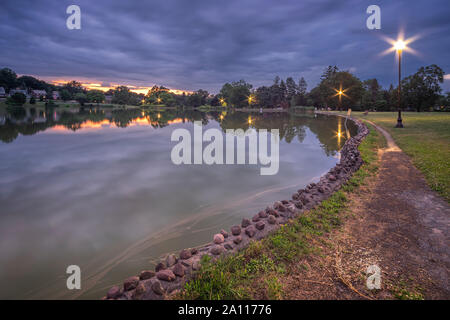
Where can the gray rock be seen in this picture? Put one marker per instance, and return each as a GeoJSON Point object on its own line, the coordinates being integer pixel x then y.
{"type": "Point", "coordinates": [194, 251]}
{"type": "Point", "coordinates": [139, 292]}
{"type": "Point", "coordinates": [178, 270]}
{"type": "Point", "coordinates": [166, 275]}
{"type": "Point", "coordinates": [263, 214]}
{"type": "Point", "coordinates": [250, 231]}
{"type": "Point", "coordinates": [160, 266]}
{"type": "Point", "coordinates": [237, 240]}
{"type": "Point", "coordinates": [146, 274]}
{"type": "Point", "coordinates": [114, 293]}
{"type": "Point", "coordinates": [235, 230]}
{"type": "Point", "coordinates": [185, 254]}
{"type": "Point", "coordinates": [130, 283]}
{"type": "Point", "coordinates": [196, 265]}
{"type": "Point", "coordinates": [332, 178]}
{"type": "Point", "coordinates": [224, 233]}
{"type": "Point", "coordinates": [260, 225]}
{"type": "Point", "coordinates": [157, 288]}
{"type": "Point", "coordinates": [245, 223]}
{"type": "Point", "coordinates": [171, 260]}
{"type": "Point", "coordinates": [228, 246]}
{"type": "Point", "coordinates": [216, 250]}
{"type": "Point", "coordinates": [218, 238]}
{"type": "Point", "coordinates": [272, 219]}
{"type": "Point", "coordinates": [255, 218]}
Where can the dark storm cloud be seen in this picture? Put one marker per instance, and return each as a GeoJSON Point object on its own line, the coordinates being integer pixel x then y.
{"type": "Point", "coordinates": [202, 44]}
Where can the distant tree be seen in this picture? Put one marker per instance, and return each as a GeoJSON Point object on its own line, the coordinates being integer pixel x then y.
{"type": "Point", "coordinates": [17, 99]}
{"type": "Point", "coordinates": [422, 89]}
{"type": "Point", "coordinates": [65, 95]}
{"type": "Point", "coordinates": [236, 93]}
{"type": "Point", "coordinates": [263, 97]}
{"type": "Point", "coordinates": [123, 95]}
{"type": "Point", "coordinates": [8, 79]}
{"type": "Point", "coordinates": [32, 100]}
{"type": "Point", "coordinates": [74, 87]}
{"type": "Point", "coordinates": [96, 96]}
{"type": "Point", "coordinates": [81, 98]}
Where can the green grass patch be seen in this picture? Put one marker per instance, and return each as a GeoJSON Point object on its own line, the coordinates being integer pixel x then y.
{"type": "Point", "coordinates": [425, 139]}
{"type": "Point", "coordinates": [239, 276]}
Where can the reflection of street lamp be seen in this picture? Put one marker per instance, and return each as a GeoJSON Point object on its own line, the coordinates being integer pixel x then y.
{"type": "Point", "coordinates": [399, 46]}
{"type": "Point", "coordinates": [249, 120]}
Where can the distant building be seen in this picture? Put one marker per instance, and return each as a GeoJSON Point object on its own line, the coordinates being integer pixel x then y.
{"type": "Point", "coordinates": [108, 98]}
{"type": "Point", "coordinates": [55, 95]}
{"type": "Point", "coordinates": [2, 92]}
{"type": "Point", "coordinates": [12, 91]}
{"type": "Point", "coordinates": [38, 93]}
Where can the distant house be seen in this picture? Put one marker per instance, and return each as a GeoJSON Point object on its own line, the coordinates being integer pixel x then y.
{"type": "Point", "coordinates": [38, 93]}
{"type": "Point", "coordinates": [108, 98]}
{"type": "Point", "coordinates": [2, 92]}
{"type": "Point", "coordinates": [13, 91]}
{"type": "Point", "coordinates": [55, 95]}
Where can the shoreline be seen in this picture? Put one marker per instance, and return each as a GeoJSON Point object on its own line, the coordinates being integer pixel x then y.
{"type": "Point", "coordinates": [171, 274]}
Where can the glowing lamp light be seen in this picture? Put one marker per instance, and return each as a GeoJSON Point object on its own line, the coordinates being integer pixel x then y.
{"type": "Point", "coordinates": [159, 115]}
{"type": "Point", "coordinates": [399, 45]}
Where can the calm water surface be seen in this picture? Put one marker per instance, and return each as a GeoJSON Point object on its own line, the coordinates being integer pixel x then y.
{"type": "Point", "coordinates": [96, 188]}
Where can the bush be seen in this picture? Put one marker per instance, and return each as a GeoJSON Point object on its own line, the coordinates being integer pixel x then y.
{"type": "Point", "coordinates": [32, 100]}
{"type": "Point", "coordinates": [17, 99]}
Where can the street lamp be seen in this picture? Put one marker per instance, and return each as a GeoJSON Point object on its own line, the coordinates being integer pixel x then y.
{"type": "Point", "coordinates": [340, 93]}
{"type": "Point", "coordinates": [399, 46]}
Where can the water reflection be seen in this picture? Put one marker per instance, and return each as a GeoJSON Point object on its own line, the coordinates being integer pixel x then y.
{"type": "Point", "coordinates": [29, 121]}
{"type": "Point", "coordinates": [95, 187]}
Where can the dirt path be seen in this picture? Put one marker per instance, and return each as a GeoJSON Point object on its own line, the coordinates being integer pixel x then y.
{"type": "Point", "coordinates": [395, 222]}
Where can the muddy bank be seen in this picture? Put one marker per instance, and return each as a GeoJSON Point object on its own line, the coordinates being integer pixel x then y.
{"type": "Point", "coordinates": [173, 272]}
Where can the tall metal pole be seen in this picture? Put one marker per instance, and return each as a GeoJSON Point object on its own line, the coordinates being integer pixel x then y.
{"type": "Point", "coordinates": [399, 119]}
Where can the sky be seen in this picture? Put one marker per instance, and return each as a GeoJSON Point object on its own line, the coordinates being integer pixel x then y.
{"type": "Point", "coordinates": [193, 44]}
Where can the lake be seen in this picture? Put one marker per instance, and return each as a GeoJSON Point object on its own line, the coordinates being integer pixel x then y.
{"type": "Point", "coordinates": [96, 187]}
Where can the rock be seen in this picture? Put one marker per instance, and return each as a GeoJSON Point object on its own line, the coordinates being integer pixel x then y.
{"type": "Point", "coordinates": [263, 214]}
{"type": "Point", "coordinates": [139, 292]}
{"type": "Point", "coordinates": [185, 254]}
{"type": "Point", "coordinates": [224, 233]}
{"type": "Point", "coordinates": [332, 178]}
{"type": "Point", "coordinates": [130, 283]}
{"type": "Point", "coordinates": [171, 260]}
{"type": "Point", "coordinates": [260, 225]}
{"type": "Point", "coordinates": [114, 293]}
{"type": "Point", "coordinates": [146, 274]}
{"type": "Point", "coordinates": [276, 204]}
{"type": "Point", "coordinates": [216, 250]}
{"type": "Point", "coordinates": [255, 218]}
{"type": "Point", "coordinates": [218, 238]}
{"type": "Point", "coordinates": [228, 246]}
{"type": "Point", "coordinates": [196, 265]}
{"type": "Point", "coordinates": [194, 251]}
{"type": "Point", "coordinates": [272, 219]}
{"type": "Point", "coordinates": [237, 240]}
{"type": "Point", "coordinates": [160, 266]}
{"type": "Point", "coordinates": [245, 223]}
{"type": "Point", "coordinates": [321, 190]}
{"type": "Point", "coordinates": [295, 196]}
{"type": "Point", "coordinates": [235, 230]}
{"type": "Point", "coordinates": [284, 201]}
{"type": "Point", "coordinates": [250, 231]}
{"type": "Point", "coordinates": [178, 270]}
{"type": "Point", "coordinates": [166, 275]}
{"type": "Point", "coordinates": [157, 288]}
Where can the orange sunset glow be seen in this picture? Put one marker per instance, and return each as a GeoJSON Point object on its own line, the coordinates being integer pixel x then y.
{"type": "Point", "coordinates": [99, 86]}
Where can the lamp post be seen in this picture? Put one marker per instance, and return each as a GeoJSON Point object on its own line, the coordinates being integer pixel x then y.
{"type": "Point", "coordinates": [340, 99]}
{"type": "Point", "coordinates": [399, 46]}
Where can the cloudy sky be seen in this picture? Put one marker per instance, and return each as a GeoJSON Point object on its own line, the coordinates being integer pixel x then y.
{"type": "Point", "coordinates": [192, 44]}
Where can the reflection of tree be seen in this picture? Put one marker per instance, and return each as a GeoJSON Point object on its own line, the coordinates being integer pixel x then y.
{"type": "Point", "coordinates": [290, 126]}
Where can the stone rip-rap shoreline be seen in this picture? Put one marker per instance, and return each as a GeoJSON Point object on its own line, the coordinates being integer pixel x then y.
{"type": "Point", "coordinates": [173, 272]}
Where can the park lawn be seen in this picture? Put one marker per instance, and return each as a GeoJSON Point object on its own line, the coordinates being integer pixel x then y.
{"type": "Point", "coordinates": [426, 139]}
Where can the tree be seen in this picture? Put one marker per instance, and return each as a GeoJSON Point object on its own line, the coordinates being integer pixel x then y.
{"type": "Point", "coordinates": [96, 96]}
{"type": "Point", "coordinates": [422, 89]}
{"type": "Point", "coordinates": [81, 98]}
{"type": "Point", "coordinates": [8, 79]}
{"type": "Point", "coordinates": [32, 100]}
{"type": "Point", "coordinates": [236, 93]}
{"type": "Point", "coordinates": [17, 98]}
{"type": "Point", "coordinates": [123, 95]}
{"type": "Point", "coordinates": [73, 87]}
{"type": "Point", "coordinates": [65, 95]}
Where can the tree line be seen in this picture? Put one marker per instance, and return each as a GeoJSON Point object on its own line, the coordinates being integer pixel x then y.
{"type": "Point", "coordinates": [337, 89]}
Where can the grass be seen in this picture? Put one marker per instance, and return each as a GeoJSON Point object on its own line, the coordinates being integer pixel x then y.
{"type": "Point", "coordinates": [426, 139]}
{"type": "Point", "coordinates": [254, 272]}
